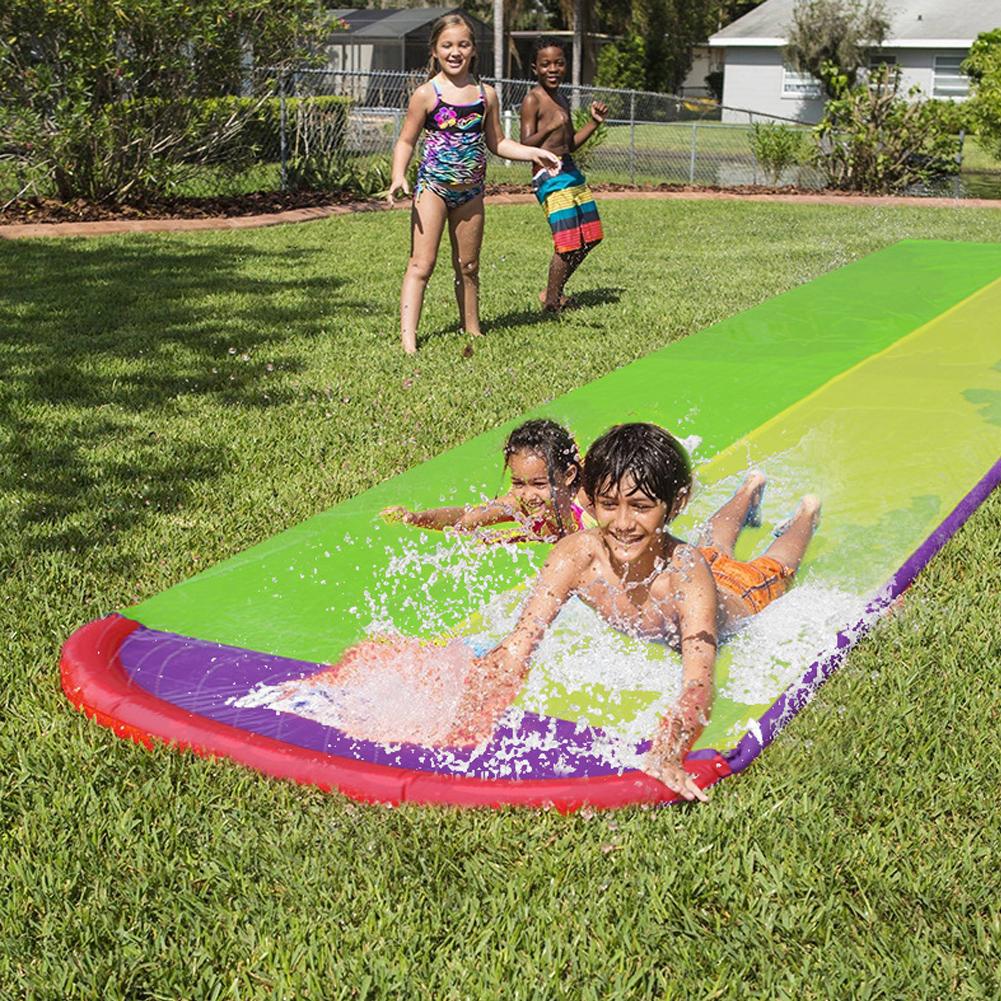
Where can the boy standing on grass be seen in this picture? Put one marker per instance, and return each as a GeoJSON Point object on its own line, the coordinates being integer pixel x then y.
{"type": "Point", "coordinates": [569, 205]}
{"type": "Point", "coordinates": [646, 582]}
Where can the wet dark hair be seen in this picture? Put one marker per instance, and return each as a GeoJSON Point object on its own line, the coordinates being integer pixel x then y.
{"type": "Point", "coordinates": [454, 20]}
{"type": "Point", "coordinates": [656, 460]}
{"type": "Point", "coordinates": [555, 445]}
{"type": "Point", "coordinates": [548, 42]}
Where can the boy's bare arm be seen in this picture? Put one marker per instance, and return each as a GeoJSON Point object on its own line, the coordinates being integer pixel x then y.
{"type": "Point", "coordinates": [684, 722]}
{"type": "Point", "coordinates": [599, 112]}
{"type": "Point", "coordinates": [559, 578]}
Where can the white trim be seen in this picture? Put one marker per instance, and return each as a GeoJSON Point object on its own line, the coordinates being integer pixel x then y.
{"type": "Point", "coordinates": [736, 42]}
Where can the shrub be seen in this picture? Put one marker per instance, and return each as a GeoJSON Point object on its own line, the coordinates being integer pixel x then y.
{"type": "Point", "coordinates": [106, 97]}
{"type": "Point", "coordinates": [776, 147]}
{"type": "Point", "coordinates": [983, 108]}
{"type": "Point", "coordinates": [873, 139]}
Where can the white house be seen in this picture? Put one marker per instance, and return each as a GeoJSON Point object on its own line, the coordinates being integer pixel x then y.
{"type": "Point", "coordinates": [928, 39]}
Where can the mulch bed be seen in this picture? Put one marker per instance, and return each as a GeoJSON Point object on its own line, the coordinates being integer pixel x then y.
{"type": "Point", "coordinates": [46, 210]}
{"type": "Point", "coordinates": [43, 210]}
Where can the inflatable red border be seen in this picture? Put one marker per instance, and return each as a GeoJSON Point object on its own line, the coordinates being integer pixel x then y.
{"type": "Point", "coordinates": [96, 683]}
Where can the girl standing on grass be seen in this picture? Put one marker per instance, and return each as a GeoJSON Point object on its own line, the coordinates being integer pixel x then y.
{"type": "Point", "coordinates": [461, 120]}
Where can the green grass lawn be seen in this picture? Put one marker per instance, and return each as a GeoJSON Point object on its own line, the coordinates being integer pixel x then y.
{"type": "Point", "coordinates": [169, 401]}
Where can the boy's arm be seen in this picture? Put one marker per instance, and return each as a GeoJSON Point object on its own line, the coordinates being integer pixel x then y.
{"type": "Point", "coordinates": [559, 578]}
{"type": "Point", "coordinates": [684, 722]}
{"type": "Point", "coordinates": [598, 113]}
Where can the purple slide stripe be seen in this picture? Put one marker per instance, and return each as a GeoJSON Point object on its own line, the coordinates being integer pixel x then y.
{"type": "Point", "coordinates": [203, 677]}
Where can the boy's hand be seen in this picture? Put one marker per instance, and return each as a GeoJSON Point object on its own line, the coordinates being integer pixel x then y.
{"type": "Point", "coordinates": [491, 686]}
{"type": "Point", "coordinates": [674, 776]}
{"type": "Point", "coordinates": [599, 111]}
{"type": "Point", "coordinates": [396, 185]}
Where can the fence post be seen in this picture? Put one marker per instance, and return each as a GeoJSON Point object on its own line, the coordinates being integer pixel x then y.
{"type": "Point", "coordinates": [282, 140]}
{"type": "Point", "coordinates": [632, 137]}
{"type": "Point", "coordinates": [691, 162]}
{"type": "Point", "coordinates": [957, 183]}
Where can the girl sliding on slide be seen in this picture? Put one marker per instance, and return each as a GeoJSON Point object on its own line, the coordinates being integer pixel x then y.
{"type": "Point", "coordinates": [545, 498]}
{"type": "Point", "coordinates": [461, 120]}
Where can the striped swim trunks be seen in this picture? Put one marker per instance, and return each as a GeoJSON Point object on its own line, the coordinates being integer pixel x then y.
{"type": "Point", "coordinates": [570, 208]}
{"type": "Point", "coordinates": [757, 583]}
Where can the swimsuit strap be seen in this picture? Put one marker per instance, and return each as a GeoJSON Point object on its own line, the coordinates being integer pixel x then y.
{"type": "Point", "coordinates": [434, 84]}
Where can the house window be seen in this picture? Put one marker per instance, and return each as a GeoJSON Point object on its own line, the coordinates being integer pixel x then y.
{"type": "Point", "coordinates": [948, 80]}
{"type": "Point", "coordinates": [877, 59]}
{"type": "Point", "coordinates": [796, 84]}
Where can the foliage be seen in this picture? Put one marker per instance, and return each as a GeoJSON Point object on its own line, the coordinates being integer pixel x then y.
{"type": "Point", "coordinates": [106, 95]}
{"type": "Point", "coordinates": [874, 139]}
{"type": "Point", "coordinates": [777, 147]}
{"type": "Point", "coordinates": [983, 66]}
{"type": "Point", "coordinates": [838, 33]}
{"type": "Point", "coordinates": [622, 64]}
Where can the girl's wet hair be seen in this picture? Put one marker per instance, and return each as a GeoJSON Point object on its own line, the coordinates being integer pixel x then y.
{"type": "Point", "coordinates": [454, 20]}
{"type": "Point", "coordinates": [654, 458]}
{"type": "Point", "coordinates": [555, 445]}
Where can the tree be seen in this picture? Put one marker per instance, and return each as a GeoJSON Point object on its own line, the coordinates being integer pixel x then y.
{"type": "Point", "coordinates": [983, 67]}
{"type": "Point", "coordinates": [116, 99]}
{"type": "Point", "coordinates": [835, 33]}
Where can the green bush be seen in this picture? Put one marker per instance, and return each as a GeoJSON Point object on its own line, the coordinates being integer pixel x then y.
{"type": "Point", "coordinates": [582, 156]}
{"type": "Point", "coordinates": [874, 139]}
{"type": "Point", "coordinates": [983, 108]}
{"type": "Point", "coordinates": [106, 99]}
{"type": "Point", "coordinates": [260, 131]}
{"type": "Point", "coordinates": [776, 147]}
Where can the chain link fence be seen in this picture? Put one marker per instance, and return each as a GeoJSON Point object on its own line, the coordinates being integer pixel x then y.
{"type": "Point", "coordinates": [648, 138]}
{"type": "Point", "coordinates": [335, 130]}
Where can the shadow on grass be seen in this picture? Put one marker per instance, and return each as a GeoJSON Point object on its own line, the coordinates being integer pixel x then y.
{"type": "Point", "coordinates": [112, 351]}
{"type": "Point", "coordinates": [532, 317]}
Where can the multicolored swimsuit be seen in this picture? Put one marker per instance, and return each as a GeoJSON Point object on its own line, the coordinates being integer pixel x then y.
{"type": "Point", "coordinates": [454, 161]}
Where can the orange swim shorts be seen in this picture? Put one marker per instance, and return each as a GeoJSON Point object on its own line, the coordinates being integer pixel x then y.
{"type": "Point", "coordinates": [757, 583]}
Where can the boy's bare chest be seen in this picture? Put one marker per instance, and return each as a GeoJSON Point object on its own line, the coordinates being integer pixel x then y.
{"type": "Point", "coordinates": [630, 607]}
{"type": "Point", "coordinates": [552, 115]}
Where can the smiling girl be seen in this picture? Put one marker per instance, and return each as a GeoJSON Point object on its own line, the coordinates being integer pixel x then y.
{"type": "Point", "coordinates": [545, 468]}
{"type": "Point", "coordinates": [461, 121]}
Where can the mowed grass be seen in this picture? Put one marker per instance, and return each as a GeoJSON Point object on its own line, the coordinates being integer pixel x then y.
{"type": "Point", "coordinates": [169, 401]}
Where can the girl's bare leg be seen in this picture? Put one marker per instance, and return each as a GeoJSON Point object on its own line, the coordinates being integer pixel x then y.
{"type": "Point", "coordinates": [790, 546]}
{"type": "Point", "coordinates": [724, 526]}
{"type": "Point", "coordinates": [427, 222]}
{"type": "Point", "coordinates": [465, 228]}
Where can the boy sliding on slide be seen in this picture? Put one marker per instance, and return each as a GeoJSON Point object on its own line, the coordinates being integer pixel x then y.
{"type": "Point", "coordinates": [646, 582]}
{"type": "Point", "coordinates": [569, 205]}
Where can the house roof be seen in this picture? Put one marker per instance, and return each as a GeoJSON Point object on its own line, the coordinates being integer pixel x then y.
{"type": "Point", "coordinates": [368, 25]}
{"type": "Point", "coordinates": [914, 24]}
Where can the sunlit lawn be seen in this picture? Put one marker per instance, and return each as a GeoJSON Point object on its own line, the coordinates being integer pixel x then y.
{"type": "Point", "coordinates": [169, 401]}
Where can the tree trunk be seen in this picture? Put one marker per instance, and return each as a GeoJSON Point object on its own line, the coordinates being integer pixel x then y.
{"type": "Point", "coordinates": [499, 50]}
